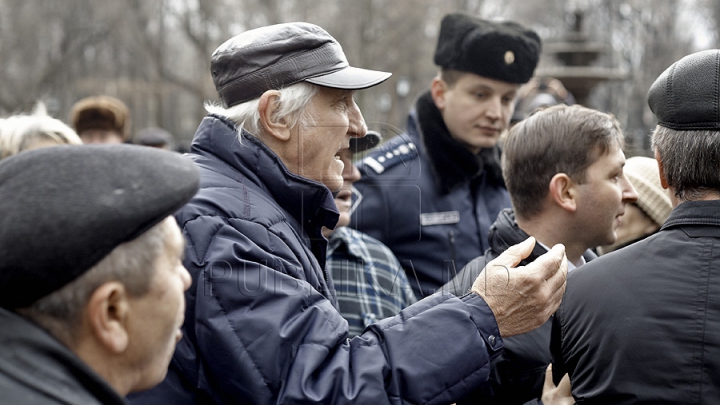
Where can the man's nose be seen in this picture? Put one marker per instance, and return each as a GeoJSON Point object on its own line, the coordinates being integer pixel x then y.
{"type": "Point", "coordinates": [629, 194]}
{"type": "Point", "coordinates": [357, 127]}
{"type": "Point", "coordinates": [494, 108]}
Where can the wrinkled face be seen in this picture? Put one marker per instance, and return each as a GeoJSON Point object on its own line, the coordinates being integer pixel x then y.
{"type": "Point", "coordinates": [350, 175]}
{"type": "Point", "coordinates": [100, 136]}
{"type": "Point", "coordinates": [476, 110]}
{"type": "Point", "coordinates": [602, 198]}
{"type": "Point", "coordinates": [337, 118]}
{"type": "Point", "coordinates": [158, 315]}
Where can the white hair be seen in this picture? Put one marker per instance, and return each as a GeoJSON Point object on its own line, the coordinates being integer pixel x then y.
{"type": "Point", "coordinates": [22, 132]}
{"type": "Point", "coordinates": [291, 106]}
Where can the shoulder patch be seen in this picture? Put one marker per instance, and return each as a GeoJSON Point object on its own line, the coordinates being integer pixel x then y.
{"type": "Point", "coordinates": [397, 150]}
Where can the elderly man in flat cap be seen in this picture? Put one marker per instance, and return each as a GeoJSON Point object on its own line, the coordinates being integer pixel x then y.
{"type": "Point", "coordinates": [432, 194]}
{"type": "Point", "coordinates": [91, 282]}
{"type": "Point", "coordinates": [262, 324]}
{"type": "Point", "coordinates": [642, 325]}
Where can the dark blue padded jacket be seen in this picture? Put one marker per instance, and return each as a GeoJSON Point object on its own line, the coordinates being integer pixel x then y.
{"type": "Point", "coordinates": [261, 322]}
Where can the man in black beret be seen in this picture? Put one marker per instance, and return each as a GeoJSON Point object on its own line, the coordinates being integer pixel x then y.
{"type": "Point", "coordinates": [263, 325]}
{"type": "Point", "coordinates": [432, 193]}
{"type": "Point", "coordinates": [642, 325]}
{"type": "Point", "coordinates": [91, 283]}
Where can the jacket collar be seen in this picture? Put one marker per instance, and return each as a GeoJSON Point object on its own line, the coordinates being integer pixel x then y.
{"type": "Point", "coordinates": [699, 213]}
{"type": "Point", "coordinates": [310, 203]}
{"type": "Point", "coordinates": [41, 364]}
{"type": "Point", "coordinates": [452, 163]}
{"type": "Point", "coordinates": [355, 243]}
{"type": "Point", "coordinates": [505, 232]}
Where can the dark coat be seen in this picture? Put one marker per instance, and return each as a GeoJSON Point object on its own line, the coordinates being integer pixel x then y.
{"type": "Point", "coordinates": [641, 325]}
{"type": "Point", "coordinates": [261, 323]}
{"type": "Point", "coordinates": [518, 373]}
{"type": "Point", "coordinates": [36, 369]}
{"type": "Point", "coordinates": [429, 199]}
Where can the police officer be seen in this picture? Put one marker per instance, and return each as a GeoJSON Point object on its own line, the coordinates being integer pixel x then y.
{"type": "Point", "coordinates": [432, 193]}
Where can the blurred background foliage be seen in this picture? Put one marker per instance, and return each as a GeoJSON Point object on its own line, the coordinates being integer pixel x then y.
{"type": "Point", "coordinates": [154, 54]}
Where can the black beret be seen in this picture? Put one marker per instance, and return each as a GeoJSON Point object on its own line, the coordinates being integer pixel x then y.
{"type": "Point", "coordinates": [686, 95]}
{"type": "Point", "coordinates": [64, 208]}
{"type": "Point", "coordinates": [277, 56]}
{"type": "Point", "coordinates": [504, 51]}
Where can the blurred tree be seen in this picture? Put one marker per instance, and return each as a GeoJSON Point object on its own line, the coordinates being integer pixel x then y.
{"type": "Point", "coordinates": [155, 54]}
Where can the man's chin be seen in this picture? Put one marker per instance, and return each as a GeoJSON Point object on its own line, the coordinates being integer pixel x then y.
{"type": "Point", "coordinates": [334, 185]}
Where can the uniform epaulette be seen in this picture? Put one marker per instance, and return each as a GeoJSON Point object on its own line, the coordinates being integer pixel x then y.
{"type": "Point", "coordinates": [397, 150]}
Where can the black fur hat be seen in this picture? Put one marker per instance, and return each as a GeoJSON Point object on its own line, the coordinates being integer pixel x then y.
{"type": "Point", "coordinates": [504, 51]}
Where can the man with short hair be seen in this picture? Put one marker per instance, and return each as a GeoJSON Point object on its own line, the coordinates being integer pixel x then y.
{"type": "Point", "coordinates": [563, 167]}
{"type": "Point", "coordinates": [641, 325]}
{"type": "Point", "coordinates": [262, 324]}
{"type": "Point", "coordinates": [91, 282]}
{"type": "Point", "coordinates": [432, 194]}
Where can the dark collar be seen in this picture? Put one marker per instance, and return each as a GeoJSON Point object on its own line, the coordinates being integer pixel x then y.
{"type": "Point", "coordinates": [452, 163]}
{"type": "Point", "coordinates": [38, 363]}
{"type": "Point", "coordinates": [505, 232]}
{"type": "Point", "coordinates": [694, 213]}
{"type": "Point", "coordinates": [310, 203]}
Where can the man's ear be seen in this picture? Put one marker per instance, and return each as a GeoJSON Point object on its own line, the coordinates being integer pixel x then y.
{"type": "Point", "coordinates": [107, 313]}
{"type": "Point", "coordinates": [438, 87]}
{"type": "Point", "coordinates": [272, 125]}
{"type": "Point", "coordinates": [563, 192]}
{"type": "Point", "coordinates": [661, 169]}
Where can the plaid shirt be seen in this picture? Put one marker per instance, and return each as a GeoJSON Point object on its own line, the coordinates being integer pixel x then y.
{"type": "Point", "coordinates": [369, 281]}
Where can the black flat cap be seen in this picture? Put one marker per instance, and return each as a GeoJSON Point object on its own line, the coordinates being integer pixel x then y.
{"type": "Point", "coordinates": [686, 95]}
{"type": "Point", "coordinates": [504, 51]}
{"type": "Point", "coordinates": [64, 208]}
{"type": "Point", "coordinates": [277, 56]}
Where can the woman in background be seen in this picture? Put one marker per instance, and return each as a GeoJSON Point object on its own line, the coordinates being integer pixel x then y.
{"type": "Point", "coordinates": [644, 217]}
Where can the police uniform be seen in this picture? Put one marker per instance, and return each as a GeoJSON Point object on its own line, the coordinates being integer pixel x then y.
{"type": "Point", "coordinates": [424, 194]}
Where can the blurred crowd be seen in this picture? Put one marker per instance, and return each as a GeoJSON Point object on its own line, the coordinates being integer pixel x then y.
{"type": "Point", "coordinates": [93, 120]}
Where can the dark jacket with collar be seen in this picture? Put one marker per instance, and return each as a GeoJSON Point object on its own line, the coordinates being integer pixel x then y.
{"type": "Point", "coordinates": [262, 325]}
{"type": "Point", "coordinates": [429, 199]}
{"type": "Point", "coordinates": [641, 325]}
{"type": "Point", "coordinates": [36, 369]}
{"type": "Point", "coordinates": [518, 374]}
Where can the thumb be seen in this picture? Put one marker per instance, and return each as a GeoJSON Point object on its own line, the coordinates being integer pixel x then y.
{"type": "Point", "coordinates": [515, 253]}
{"type": "Point", "coordinates": [548, 379]}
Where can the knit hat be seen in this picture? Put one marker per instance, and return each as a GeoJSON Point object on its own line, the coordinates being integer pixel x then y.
{"type": "Point", "coordinates": [653, 199]}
